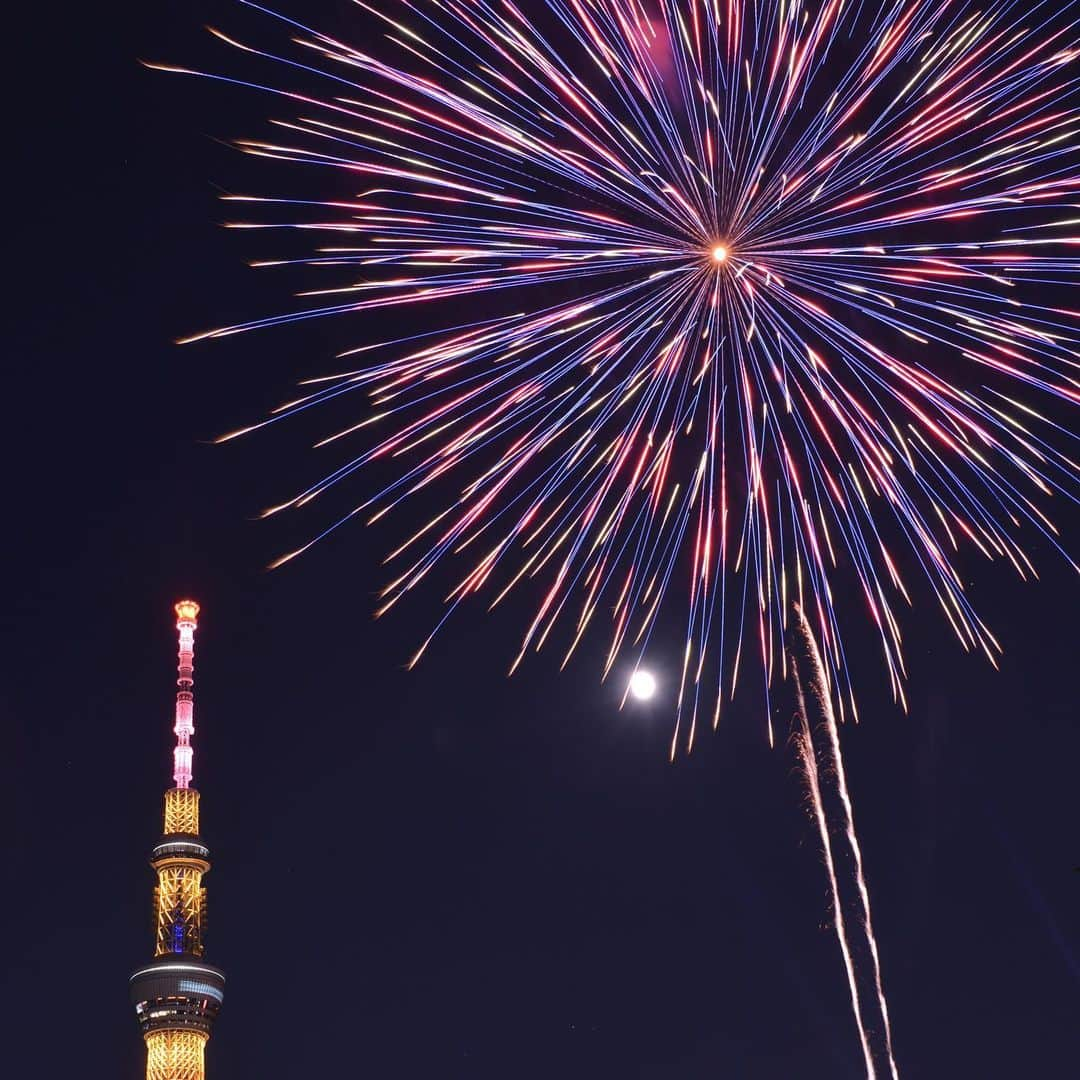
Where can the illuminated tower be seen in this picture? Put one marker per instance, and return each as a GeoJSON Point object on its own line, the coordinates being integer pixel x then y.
{"type": "Point", "coordinates": [177, 996]}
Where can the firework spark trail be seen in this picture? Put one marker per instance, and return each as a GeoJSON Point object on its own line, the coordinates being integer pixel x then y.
{"type": "Point", "coordinates": [874, 1030]}
{"type": "Point", "coordinates": [867, 386]}
{"type": "Point", "coordinates": [805, 749]}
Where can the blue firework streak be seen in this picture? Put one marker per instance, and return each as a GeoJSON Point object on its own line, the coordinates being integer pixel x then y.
{"type": "Point", "coordinates": [764, 302]}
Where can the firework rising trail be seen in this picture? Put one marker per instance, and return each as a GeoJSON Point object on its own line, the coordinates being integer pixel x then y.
{"type": "Point", "coordinates": [730, 303]}
{"type": "Point", "coordinates": [818, 747]}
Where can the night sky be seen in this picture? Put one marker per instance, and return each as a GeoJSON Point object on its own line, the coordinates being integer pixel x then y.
{"type": "Point", "coordinates": [444, 872]}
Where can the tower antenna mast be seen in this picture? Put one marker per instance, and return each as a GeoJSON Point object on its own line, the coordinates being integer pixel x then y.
{"type": "Point", "coordinates": [186, 614]}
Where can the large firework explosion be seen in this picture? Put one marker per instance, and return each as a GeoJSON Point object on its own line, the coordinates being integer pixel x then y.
{"type": "Point", "coordinates": [742, 304]}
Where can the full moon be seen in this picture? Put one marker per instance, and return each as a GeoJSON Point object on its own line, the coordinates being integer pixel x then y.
{"type": "Point", "coordinates": [642, 685]}
{"type": "Point", "coordinates": [719, 254]}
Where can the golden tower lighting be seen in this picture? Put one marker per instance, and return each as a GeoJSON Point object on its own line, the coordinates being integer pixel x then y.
{"type": "Point", "coordinates": [177, 996]}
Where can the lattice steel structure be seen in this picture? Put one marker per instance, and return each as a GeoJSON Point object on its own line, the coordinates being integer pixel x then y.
{"type": "Point", "coordinates": [177, 996]}
{"type": "Point", "coordinates": [175, 1055]}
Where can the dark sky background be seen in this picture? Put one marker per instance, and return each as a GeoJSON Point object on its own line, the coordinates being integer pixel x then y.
{"type": "Point", "coordinates": [442, 872]}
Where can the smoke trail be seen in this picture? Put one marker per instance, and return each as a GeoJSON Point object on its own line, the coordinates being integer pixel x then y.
{"type": "Point", "coordinates": [874, 1030]}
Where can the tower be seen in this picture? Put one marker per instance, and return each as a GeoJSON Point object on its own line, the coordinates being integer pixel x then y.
{"type": "Point", "coordinates": [177, 996]}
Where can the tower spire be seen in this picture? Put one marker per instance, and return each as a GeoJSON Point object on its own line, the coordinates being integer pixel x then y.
{"type": "Point", "coordinates": [177, 995]}
{"type": "Point", "coordinates": [186, 614]}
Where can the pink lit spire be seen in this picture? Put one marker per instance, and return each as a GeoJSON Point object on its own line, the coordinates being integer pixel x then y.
{"type": "Point", "coordinates": [186, 611]}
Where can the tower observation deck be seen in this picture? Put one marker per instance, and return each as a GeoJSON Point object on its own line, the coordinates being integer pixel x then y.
{"type": "Point", "coordinates": [177, 995]}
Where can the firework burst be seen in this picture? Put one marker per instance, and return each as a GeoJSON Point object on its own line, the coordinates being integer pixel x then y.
{"type": "Point", "coordinates": [737, 304]}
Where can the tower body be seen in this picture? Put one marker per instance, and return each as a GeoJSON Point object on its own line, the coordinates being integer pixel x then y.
{"type": "Point", "coordinates": [177, 996]}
